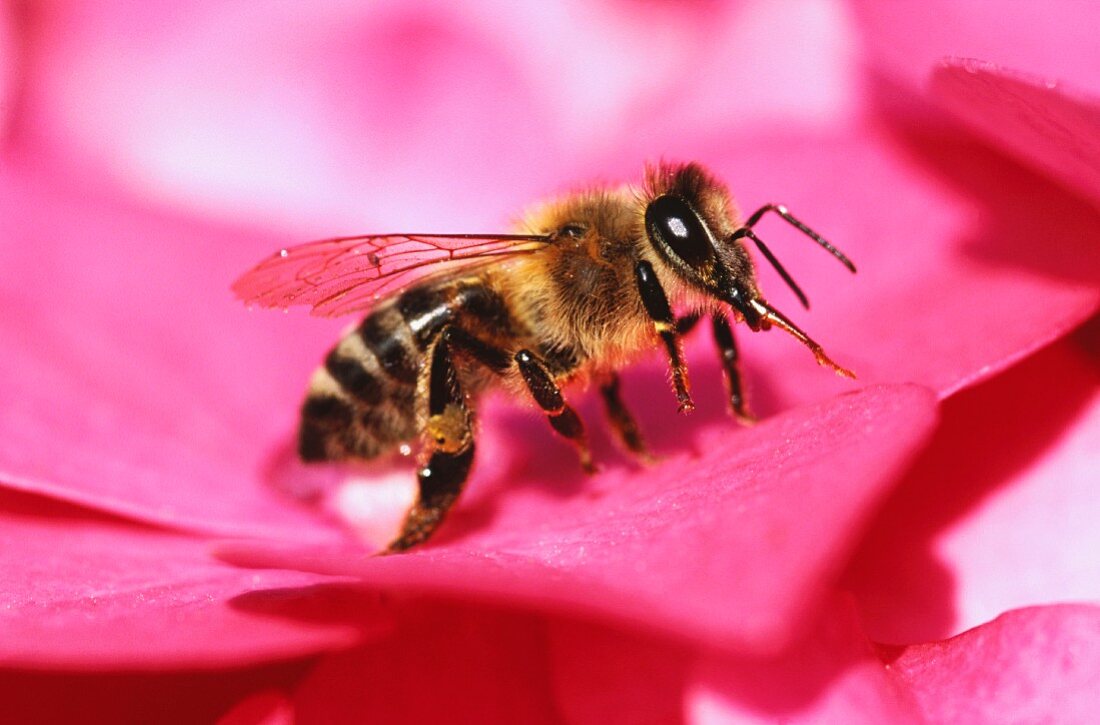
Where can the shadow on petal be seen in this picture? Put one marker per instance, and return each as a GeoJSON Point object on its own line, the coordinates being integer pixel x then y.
{"type": "Point", "coordinates": [987, 436]}
{"type": "Point", "coordinates": [371, 612]}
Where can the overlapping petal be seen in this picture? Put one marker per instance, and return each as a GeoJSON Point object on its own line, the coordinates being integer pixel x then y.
{"type": "Point", "coordinates": [88, 592]}
{"type": "Point", "coordinates": [504, 666]}
{"type": "Point", "coordinates": [1028, 665]}
{"type": "Point", "coordinates": [1051, 125]}
{"type": "Point", "coordinates": [999, 512]}
{"type": "Point", "coordinates": [1022, 75]}
{"type": "Point", "coordinates": [906, 41]}
{"type": "Point", "coordinates": [443, 661]}
{"type": "Point", "coordinates": [831, 676]}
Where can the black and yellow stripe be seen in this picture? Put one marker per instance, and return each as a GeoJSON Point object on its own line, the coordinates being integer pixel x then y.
{"type": "Point", "coordinates": [362, 401]}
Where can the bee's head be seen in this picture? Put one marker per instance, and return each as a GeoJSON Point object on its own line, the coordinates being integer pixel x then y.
{"type": "Point", "coordinates": [689, 221]}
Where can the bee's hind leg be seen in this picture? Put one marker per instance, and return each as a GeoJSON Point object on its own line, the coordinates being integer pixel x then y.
{"type": "Point", "coordinates": [449, 450]}
{"type": "Point", "coordinates": [548, 395]}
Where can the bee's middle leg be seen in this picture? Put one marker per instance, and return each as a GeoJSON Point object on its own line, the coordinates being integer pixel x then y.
{"type": "Point", "coordinates": [622, 422]}
{"type": "Point", "coordinates": [548, 396]}
{"type": "Point", "coordinates": [731, 366]}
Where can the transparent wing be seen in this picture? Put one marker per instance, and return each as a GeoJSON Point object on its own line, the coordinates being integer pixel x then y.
{"type": "Point", "coordinates": [349, 274]}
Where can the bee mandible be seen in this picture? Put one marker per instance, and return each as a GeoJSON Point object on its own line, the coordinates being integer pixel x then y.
{"type": "Point", "coordinates": [589, 284]}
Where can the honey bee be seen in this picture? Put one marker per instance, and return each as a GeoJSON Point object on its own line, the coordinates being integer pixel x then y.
{"type": "Point", "coordinates": [589, 285]}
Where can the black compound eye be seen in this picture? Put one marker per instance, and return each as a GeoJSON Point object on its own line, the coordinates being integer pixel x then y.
{"type": "Point", "coordinates": [571, 230]}
{"type": "Point", "coordinates": [671, 221]}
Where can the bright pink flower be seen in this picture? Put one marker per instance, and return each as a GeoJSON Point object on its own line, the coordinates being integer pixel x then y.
{"type": "Point", "coordinates": [145, 415]}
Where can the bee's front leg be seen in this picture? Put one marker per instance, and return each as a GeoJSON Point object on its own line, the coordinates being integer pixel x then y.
{"type": "Point", "coordinates": [448, 445]}
{"type": "Point", "coordinates": [656, 305]}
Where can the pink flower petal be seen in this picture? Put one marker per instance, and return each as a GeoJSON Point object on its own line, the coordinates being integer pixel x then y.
{"type": "Point", "coordinates": [266, 708]}
{"type": "Point", "coordinates": [906, 40]}
{"type": "Point", "coordinates": [502, 666]}
{"type": "Point", "coordinates": [999, 512]}
{"type": "Point", "coordinates": [1029, 665]}
{"type": "Point", "coordinates": [832, 676]}
{"type": "Point", "coordinates": [137, 697]}
{"type": "Point", "coordinates": [9, 71]}
{"type": "Point", "coordinates": [601, 674]}
{"type": "Point", "coordinates": [755, 525]}
{"type": "Point", "coordinates": [85, 592]}
{"type": "Point", "coordinates": [475, 664]}
{"type": "Point", "coordinates": [1052, 126]}
{"type": "Point", "coordinates": [116, 393]}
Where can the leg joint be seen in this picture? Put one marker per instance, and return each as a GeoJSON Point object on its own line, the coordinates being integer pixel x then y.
{"type": "Point", "coordinates": [543, 388]}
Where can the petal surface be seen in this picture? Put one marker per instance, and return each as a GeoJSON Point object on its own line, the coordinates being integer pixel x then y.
{"type": "Point", "coordinates": [999, 512]}
{"type": "Point", "coordinates": [906, 41]}
{"type": "Point", "coordinates": [116, 394]}
{"type": "Point", "coordinates": [754, 524]}
{"type": "Point", "coordinates": [832, 675]}
{"type": "Point", "coordinates": [499, 665]}
{"type": "Point", "coordinates": [1055, 127]}
{"type": "Point", "coordinates": [1028, 665]}
{"type": "Point", "coordinates": [443, 661]}
{"type": "Point", "coordinates": [83, 592]}
{"type": "Point", "coordinates": [163, 697]}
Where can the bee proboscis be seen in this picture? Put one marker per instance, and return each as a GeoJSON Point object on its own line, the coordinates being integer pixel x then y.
{"type": "Point", "coordinates": [590, 284]}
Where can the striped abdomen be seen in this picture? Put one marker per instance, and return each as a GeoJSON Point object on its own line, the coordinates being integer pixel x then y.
{"type": "Point", "coordinates": [362, 401]}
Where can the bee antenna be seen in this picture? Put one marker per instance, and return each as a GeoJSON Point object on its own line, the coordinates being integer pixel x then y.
{"type": "Point", "coordinates": [746, 232]}
{"type": "Point", "coordinates": [782, 211]}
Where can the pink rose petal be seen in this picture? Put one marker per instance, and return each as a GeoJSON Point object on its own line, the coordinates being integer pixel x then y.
{"type": "Point", "coordinates": [489, 665]}
{"type": "Point", "coordinates": [730, 546]}
{"type": "Point", "coordinates": [1045, 123]}
{"type": "Point", "coordinates": [1029, 665]}
{"type": "Point", "coordinates": [89, 593]}
{"type": "Point", "coordinates": [999, 513]}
